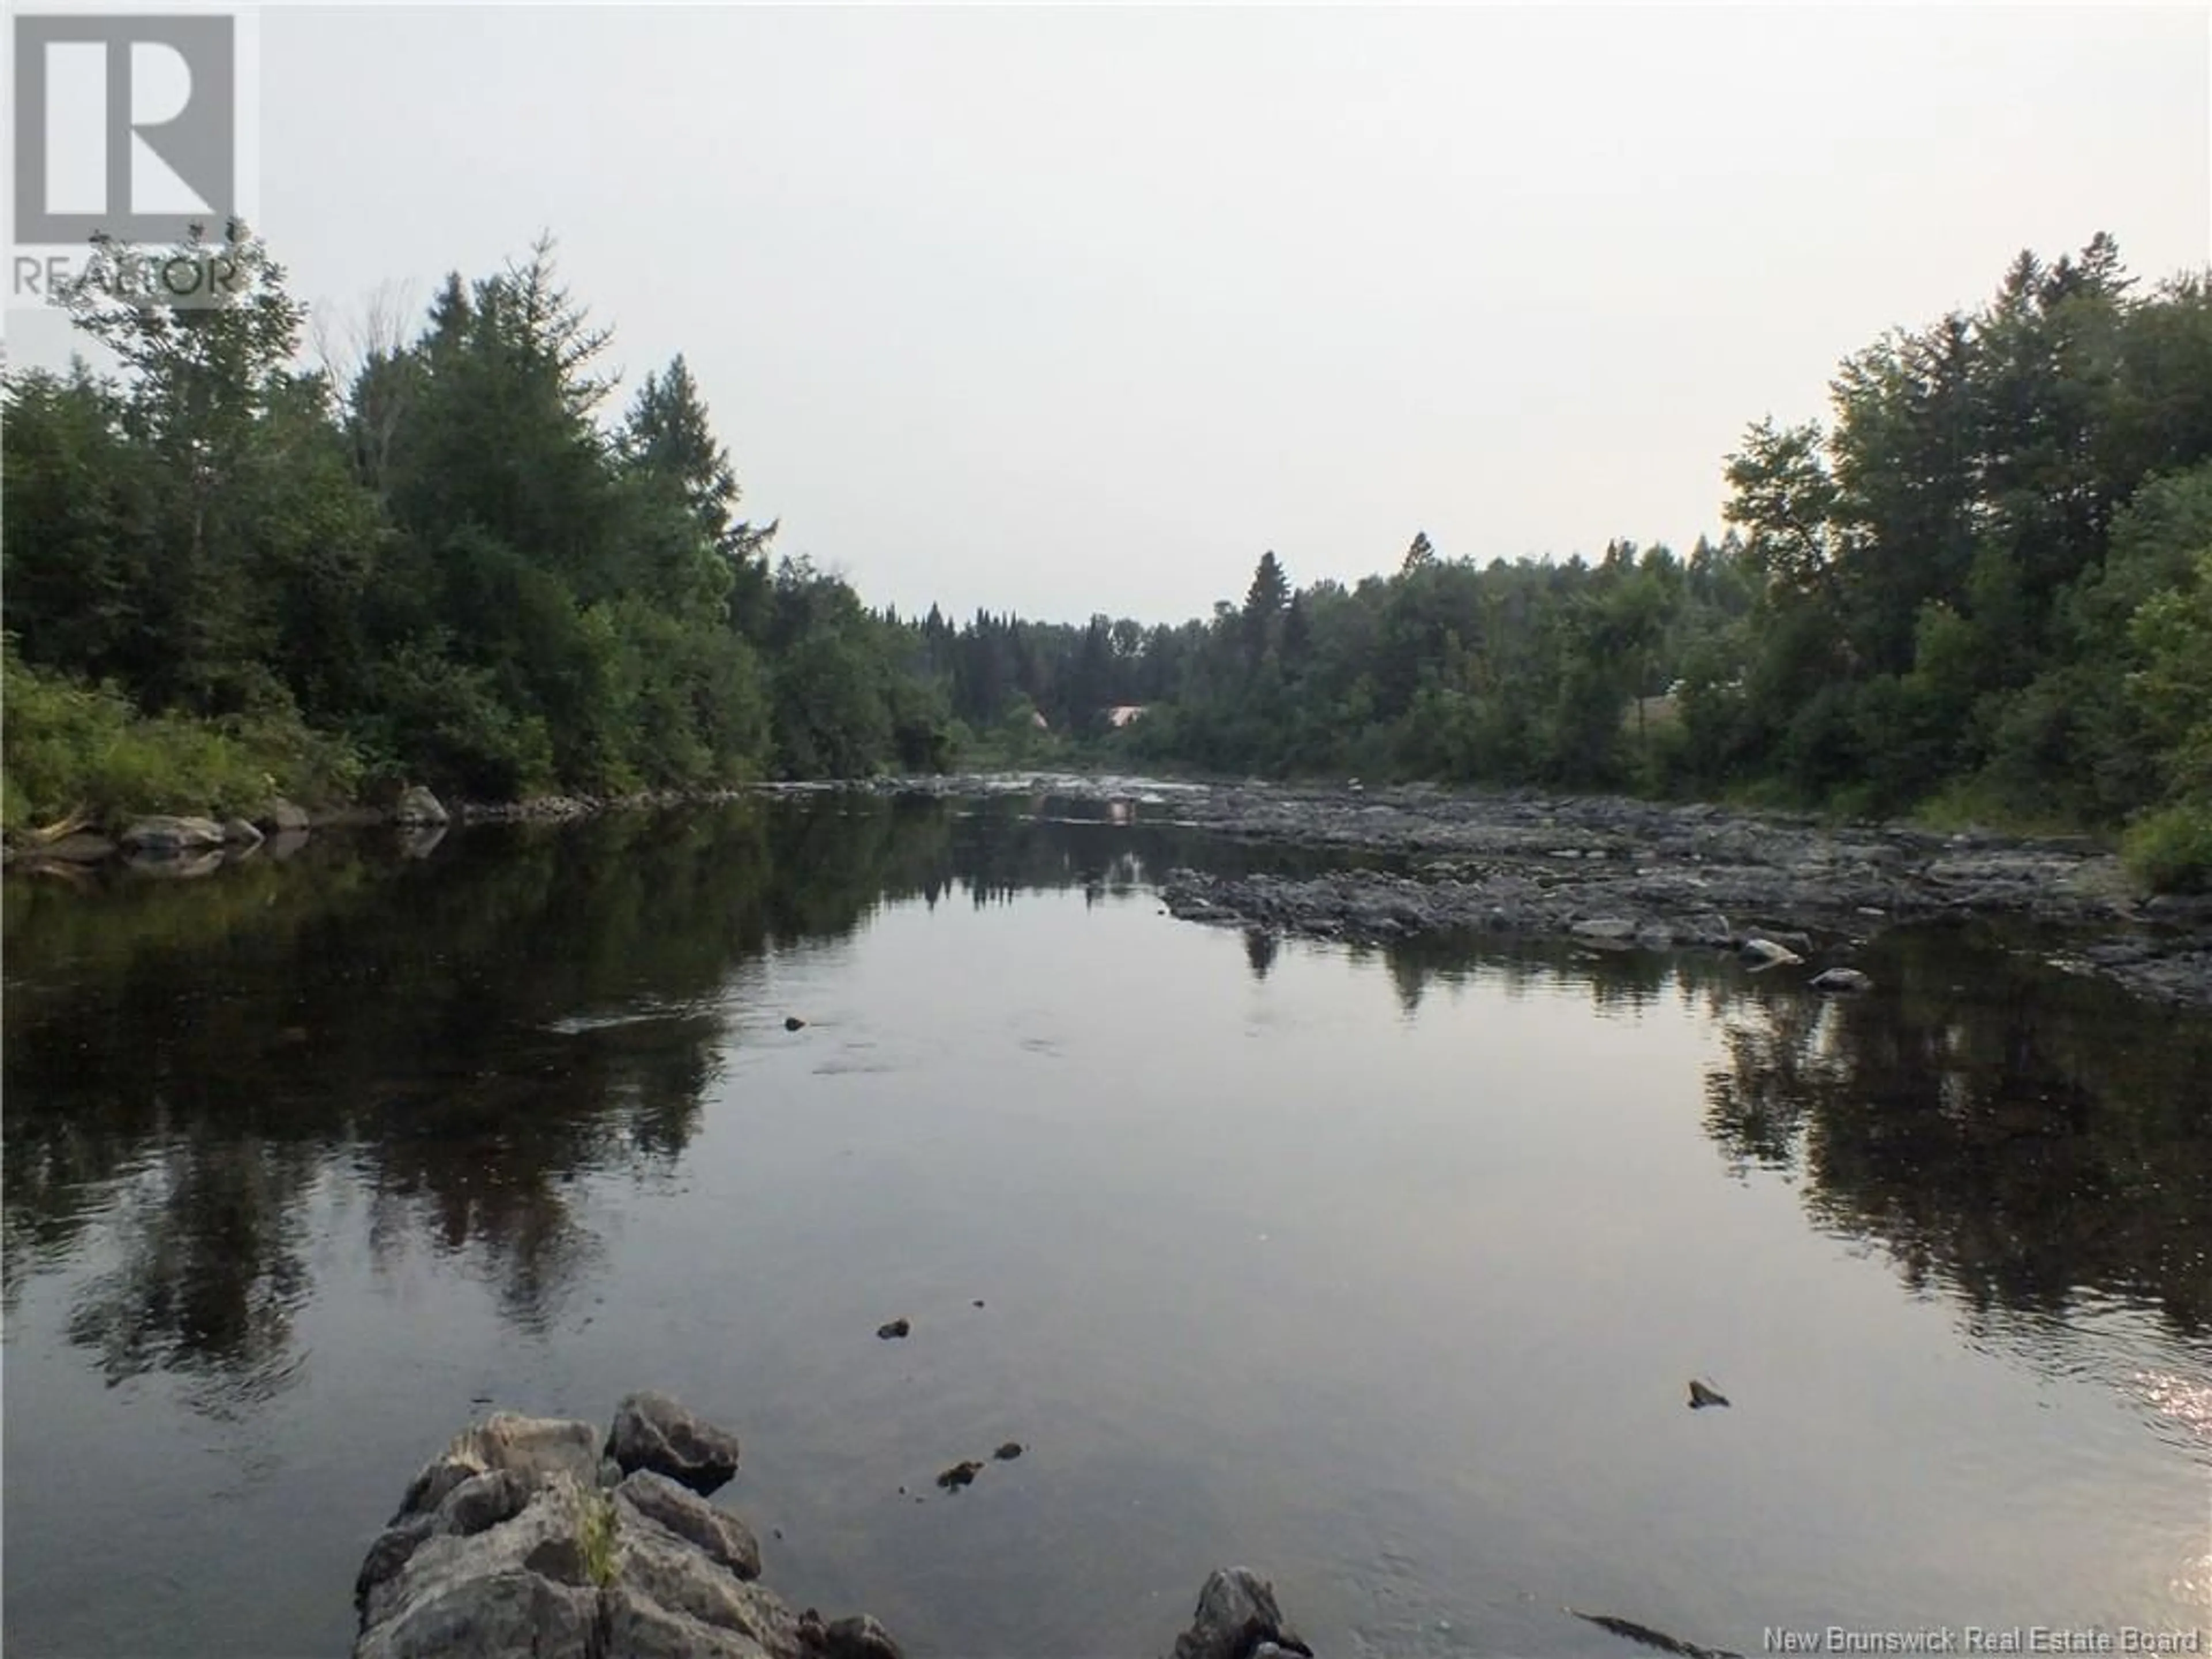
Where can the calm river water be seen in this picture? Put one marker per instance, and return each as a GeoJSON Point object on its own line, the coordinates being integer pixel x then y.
{"type": "Point", "coordinates": [1385, 1272]}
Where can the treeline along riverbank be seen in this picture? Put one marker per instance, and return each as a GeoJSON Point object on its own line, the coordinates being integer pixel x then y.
{"type": "Point", "coordinates": [1980, 590]}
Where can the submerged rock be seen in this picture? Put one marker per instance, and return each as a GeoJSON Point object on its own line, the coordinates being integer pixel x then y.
{"type": "Point", "coordinates": [894, 1330]}
{"type": "Point", "coordinates": [960, 1475]}
{"type": "Point", "coordinates": [1007, 1453]}
{"type": "Point", "coordinates": [1840, 979]}
{"type": "Point", "coordinates": [1631, 1631]}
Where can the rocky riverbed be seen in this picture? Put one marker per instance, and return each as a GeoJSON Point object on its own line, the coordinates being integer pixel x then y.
{"type": "Point", "coordinates": [537, 1538]}
{"type": "Point", "coordinates": [1630, 874]}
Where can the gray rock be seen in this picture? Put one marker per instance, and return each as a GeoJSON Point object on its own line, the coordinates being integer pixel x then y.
{"type": "Point", "coordinates": [162, 835]}
{"type": "Point", "coordinates": [638, 1627]}
{"type": "Point", "coordinates": [1841, 979]}
{"type": "Point", "coordinates": [1236, 1613]}
{"type": "Point", "coordinates": [281, 818]}
{"type": "Point", "coordinates": [652, 1431]}
{"type": "Point", "coordinates": [505, 1442]}
{"type": "Point", "coordinates": [418, 805]}
{"type": "Point", "coordinates": [498, 1615]}
{"type": "Point", "coordinates": [482, 1501]}
{"type": "Point", "coordinates": [502, 1564]}
{"type": "Point", "coordinates": [237, 832]}
{"type": "Point", "coordinates": [653, 1567]}
{"type": "Point", "coordinates": [1767, 953]}
{"type": "Point", "coordinates": [389, 1553]}
{"type": "Point", "coordinates": [715, 1533]}
{"type": "Point", "coordinates": [1616, 929]}
{"type": "Point", "coordinates": [860, 1637]}
{"type": "Point", "coordinates": [489, 1591]}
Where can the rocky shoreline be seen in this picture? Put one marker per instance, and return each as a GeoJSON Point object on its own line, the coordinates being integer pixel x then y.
{"type": "Point", "coordinates": [537, 1538]}
{"type": "Point", "coordinates": [175, 845]}
{"type": "Point", "coordinates": [1608, 871]}
{"type": "Point", "coordinates": [1419, 859]}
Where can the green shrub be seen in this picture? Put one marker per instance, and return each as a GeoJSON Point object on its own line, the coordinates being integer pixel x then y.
{"type": "Point", "coordinates": [2170, 850]}
{"type": "Point", "coordinates": [70, 745]}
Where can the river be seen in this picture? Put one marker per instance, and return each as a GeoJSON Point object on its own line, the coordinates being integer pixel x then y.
{"type": "Point", "coordinates": [1385, 1272]}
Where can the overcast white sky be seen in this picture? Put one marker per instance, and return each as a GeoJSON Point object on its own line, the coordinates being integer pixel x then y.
{"type": "Point", "coordinates": [1062, 310]}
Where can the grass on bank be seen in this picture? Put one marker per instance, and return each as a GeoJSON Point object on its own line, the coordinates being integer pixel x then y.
{"type": "Point", "coordinates": [68, 747]}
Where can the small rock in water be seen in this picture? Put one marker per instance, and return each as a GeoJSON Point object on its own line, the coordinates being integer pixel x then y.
{"type": "Point", "coordinates": [897, 1328]}
{"type": "Point", "coordinates": [959, 1474]}
{"type": "Point", "coordinates": [792, 1022]}
{"type": "Point", "coordinates": [979, 1301]}
{"type": "Point", "coordinates": [1703, 1394]}
{"type": "Point", "coordinates": [1841, 979]}
{"type": "Point", "coordinates": [1007, 1453]}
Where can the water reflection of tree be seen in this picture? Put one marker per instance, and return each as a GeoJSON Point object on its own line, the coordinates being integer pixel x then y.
{"type": "Point", "coordinates": [471, 1039]}
{"type": "Point", "coordinates": [465, 1038]}
{"type": "Point", "coordinates": [210, 1269]}
{"type": "Point", "coordinates": [1261, 948]}
{"type": "Point", "coordinates": [2011, 1134]}
{"type": "Point", "coordinates": [2008, 1134]}
{"type": "Point", "coordinates": [1616, 980]}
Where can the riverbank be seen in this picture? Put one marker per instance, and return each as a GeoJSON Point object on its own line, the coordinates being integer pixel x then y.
{"type": "Point", "coordinates": [1616, 872]}
{"type": "Point", "coordinates": [1610, 872]}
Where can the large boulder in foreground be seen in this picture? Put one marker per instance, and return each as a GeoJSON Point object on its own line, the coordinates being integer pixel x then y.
{"type": "Point", "coordinates": [511, 1543]}
{"type": "Point", "coordinates": [652, 1431]}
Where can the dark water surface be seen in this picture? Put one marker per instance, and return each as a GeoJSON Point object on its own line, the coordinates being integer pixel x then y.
{"type": "Point", "coordinates": [1385, 1272]}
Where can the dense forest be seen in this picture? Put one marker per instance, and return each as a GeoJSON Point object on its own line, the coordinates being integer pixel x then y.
{"type": "Point", "coordinates": [1982, 586]}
